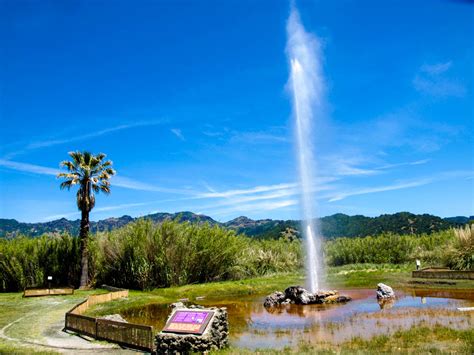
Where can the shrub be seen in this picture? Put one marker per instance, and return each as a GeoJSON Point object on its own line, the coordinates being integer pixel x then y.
{"type": "Point", "coordinates": [460, 254]}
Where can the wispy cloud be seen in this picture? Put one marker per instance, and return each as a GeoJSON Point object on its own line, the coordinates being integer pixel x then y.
{"type": "Point", "coordinates": [120, 181]}
{"type": "Point", "coordinates": [252, 207]}
{"type": "Point", "coordinates": [343, 167]}
{"type": "Point", "coordinates": [432, 79]}
{"type": "Point", "coordinates": [177, 132]}
{"type": "Point", "coordinates": [58, 141]}
{"type": "Point", "coordinates": [437, 68]}
{"type": "Point", "coordinates": [371, 190]}
{"type": "Point", "coordinates": [252, 190]}
{"type": "Point", "coordinates": [259, 137]}
{"type": "Point", "coordinates": [447, 175]}
{"type": "Point", "coordinates": [28, 168]}
{"type": "Point", "coordinates": [410, 163]}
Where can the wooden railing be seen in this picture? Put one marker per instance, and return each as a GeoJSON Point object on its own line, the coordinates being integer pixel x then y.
{"type": "Point", "coordinates": [135, 336]}
{"type": "Point", "coordinates": [35, 292]}
{"type": "Point", "coordinates": [443, 273]}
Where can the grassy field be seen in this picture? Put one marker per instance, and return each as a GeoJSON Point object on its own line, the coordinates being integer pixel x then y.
{"type": "Point", "coordinates": [416, 340]}
{"type": "Point", "coordinates": [37, 314]}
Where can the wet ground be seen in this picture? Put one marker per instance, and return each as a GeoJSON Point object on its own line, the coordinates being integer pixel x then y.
{"type": "Point", "coordinates": [252, 326]}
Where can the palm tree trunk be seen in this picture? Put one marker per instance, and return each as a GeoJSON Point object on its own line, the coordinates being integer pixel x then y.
{"type": "Point", "coordinates": [84, 233]}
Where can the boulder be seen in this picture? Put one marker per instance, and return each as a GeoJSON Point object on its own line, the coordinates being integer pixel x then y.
{"type": "Point", "coordinates": [301, 296]}
{"type": "Point", "coordinates": [275, 299]}
{"type": "Point", "coordinates": [384, 291]}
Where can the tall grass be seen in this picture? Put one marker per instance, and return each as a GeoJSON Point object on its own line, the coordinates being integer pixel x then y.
{"type": "Point", "coordinates": [453, 248]}
{"type": "Point", "coordinates": [144, 255]}
{"type": "Point", "coordinates": [29, 261]}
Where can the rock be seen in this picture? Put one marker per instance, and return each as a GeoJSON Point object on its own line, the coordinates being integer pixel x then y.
{"type": "Point", "coordinates": [177, 305]}
{"type": "Point", "coordinates": [301, 296]}
{"type": "Point", "coordinates": [343, 299]}
{"type": "Point", "coordinates": [386, 303]}
{"type": "Point", "coordinates": [275, 299]}
{"type": "Point", "coordinates": [114, 317]}
{"type": "Point", "coordinates": [384, 291]}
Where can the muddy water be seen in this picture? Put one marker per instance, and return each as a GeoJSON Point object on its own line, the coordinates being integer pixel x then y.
{"type": "Point", "coordinates": [252, 326]}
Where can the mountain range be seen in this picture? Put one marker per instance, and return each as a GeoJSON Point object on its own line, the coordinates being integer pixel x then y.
{"type": "Point", "coordinates": [337, 225]}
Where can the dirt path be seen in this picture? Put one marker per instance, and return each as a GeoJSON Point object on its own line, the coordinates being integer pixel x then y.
{"type": "Point", "coordinates": [42, 329]}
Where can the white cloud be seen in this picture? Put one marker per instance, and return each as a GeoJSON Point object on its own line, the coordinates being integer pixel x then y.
{"type": "Point", "coordinates": [410, 163]}
{"type": "Point", "coordinates": [53, 142]}
{"type": "Point", "coordinates": [133, 184]}
{"type": "Point", "coordinates": [256, 189]}
{"type": "Point", "coordinates": [119, 181]}
{"type": "Point", "coordinates": [446, 175]}
{"type": "Point", "coordinates": [432, 79]}
{"type": "Point", "coordinates": [437, 68]}
{"type": "Point", "coordinates": [259, 137]}
{"type": "Point", "coordinates": [252, 207]}
{"type": "Point", "coordinates": [29, 168]}
{"type": "Point", "coordinates": [370, 190]}
{"type": "Point", "coordinates": [439, 87]}
{"type": "Point", "coordinates": [177, 132]}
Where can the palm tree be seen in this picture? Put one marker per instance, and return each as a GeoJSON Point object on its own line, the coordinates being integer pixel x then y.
{"type": "Point", "coordinates": [91, 173]}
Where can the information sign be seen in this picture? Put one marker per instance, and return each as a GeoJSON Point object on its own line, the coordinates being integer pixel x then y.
{"type": "Point", "coordinates": [188, 321]}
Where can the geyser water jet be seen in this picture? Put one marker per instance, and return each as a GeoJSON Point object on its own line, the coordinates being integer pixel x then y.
{"type": "Point", "coordinates": [306, 83]}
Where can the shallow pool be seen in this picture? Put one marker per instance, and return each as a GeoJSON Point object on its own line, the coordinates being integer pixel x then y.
{"type": "Point", "coordinates": [252, 326]}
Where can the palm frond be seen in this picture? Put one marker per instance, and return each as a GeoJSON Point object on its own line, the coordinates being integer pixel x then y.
{"type": "Point", "coordinates": [77, 157]}
{"type": "Point", "coordinates": [66, 184]}
{"type": "Point", "coordinates": [68, 165]}
{"type": "Point", "coordinates": [105, 188]}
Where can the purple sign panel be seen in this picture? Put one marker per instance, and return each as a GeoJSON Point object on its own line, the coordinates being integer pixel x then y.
{"type": "Point", "coordinates": [188, 321]}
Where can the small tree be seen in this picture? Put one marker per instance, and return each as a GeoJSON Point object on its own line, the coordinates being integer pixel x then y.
{"type": "Point", "coordinates": [91, 173]}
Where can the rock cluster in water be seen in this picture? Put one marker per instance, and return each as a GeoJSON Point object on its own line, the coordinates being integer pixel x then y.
{"type": "Point", "coordinates": [299, 295]}
{"type": "Point", "coordinates": [214, 337]}
{"type": "Point", "coordinates": [384, 292]}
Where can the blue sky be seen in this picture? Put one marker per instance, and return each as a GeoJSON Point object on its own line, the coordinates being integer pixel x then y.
{"type": "Point", "coordinates": [189, 100]}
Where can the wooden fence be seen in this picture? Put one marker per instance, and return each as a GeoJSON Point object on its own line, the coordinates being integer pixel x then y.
{"type": "Point", "coordinates": [36, 292]}
{"type": "Point", "coordinates": [443, 273]}
{"type": "Point", "coordinates": [135, 336]}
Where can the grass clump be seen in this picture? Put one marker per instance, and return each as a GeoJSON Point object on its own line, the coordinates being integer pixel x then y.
{"type": "Point", "coordinates": [460, 254]}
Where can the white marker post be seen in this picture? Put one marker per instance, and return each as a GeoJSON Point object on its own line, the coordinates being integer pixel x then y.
{"type": "Point", "coordinates": [50, 278]}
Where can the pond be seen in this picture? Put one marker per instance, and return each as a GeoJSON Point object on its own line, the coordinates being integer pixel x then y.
{"type": "Point", "coordinates": [252, 326]}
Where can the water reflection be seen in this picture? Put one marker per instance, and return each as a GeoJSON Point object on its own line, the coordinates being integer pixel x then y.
{"type": "Point", "coordinates": [252, 326]}
{"type": "Point", "coordinates": [387, 303]}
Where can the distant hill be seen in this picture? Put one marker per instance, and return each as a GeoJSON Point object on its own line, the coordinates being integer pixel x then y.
{"type": "Point", "coordinates": [11, 227]}
{"type": "Point", "coordinates": [337, 225]}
